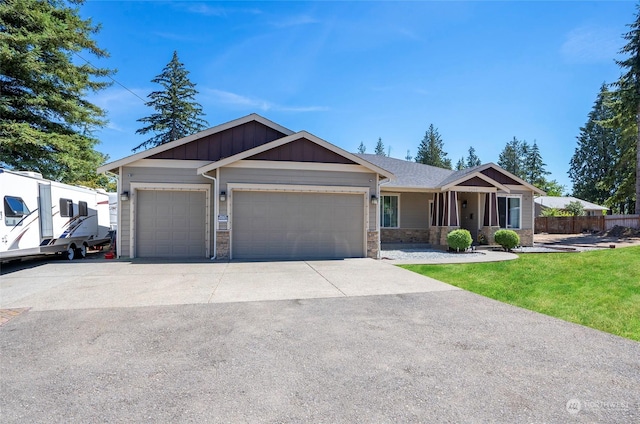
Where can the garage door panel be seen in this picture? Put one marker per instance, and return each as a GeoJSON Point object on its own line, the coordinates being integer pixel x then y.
{"type": "Point", "coordinates": [272, 225]}
{"type": "Point", "coordinates": [170, 224]}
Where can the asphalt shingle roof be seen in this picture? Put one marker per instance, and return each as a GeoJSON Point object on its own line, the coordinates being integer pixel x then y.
{"type": "Point", "coordinates": [410, 174]}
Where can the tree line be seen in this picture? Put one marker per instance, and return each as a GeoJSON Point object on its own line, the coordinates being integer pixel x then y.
{"type": "Point", "coordinates": [605, 167]}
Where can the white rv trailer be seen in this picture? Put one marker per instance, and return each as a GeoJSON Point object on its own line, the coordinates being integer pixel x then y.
{"type": "Point", "coordinates": [40, 216]}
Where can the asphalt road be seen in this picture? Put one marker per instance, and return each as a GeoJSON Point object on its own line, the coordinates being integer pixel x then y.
{"type": "Point", "coordinates": [448, 356]}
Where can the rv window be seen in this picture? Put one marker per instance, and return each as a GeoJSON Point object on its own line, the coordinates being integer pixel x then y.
{"type": "Point", "coordinates": [66, 207]}
{"type": "Point", "coordinates": [82, 209]}
{"type": "Point", "coordinates": [14, 210]}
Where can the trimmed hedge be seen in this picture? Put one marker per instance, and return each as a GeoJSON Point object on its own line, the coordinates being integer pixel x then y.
{"type": "Point", "coordinates": [508, 239]}
{"type": "Point", "coordinates": [459, 239]}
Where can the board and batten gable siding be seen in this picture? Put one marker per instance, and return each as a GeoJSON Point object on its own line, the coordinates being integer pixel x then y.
{"type": "Point", "coordinates": [158, 175]}
{"type": "Point", "coordinates": [223, 144]}
{"type": "Point", "coordinates": [302, 150]}
{"type": "Point", "coordinates": [297, 177]}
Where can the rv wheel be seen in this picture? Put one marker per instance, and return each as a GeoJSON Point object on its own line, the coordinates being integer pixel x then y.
{"type": "Point", "coordinates": [81, 252]}
{"type": "Point", "coordinates": [71, 252]}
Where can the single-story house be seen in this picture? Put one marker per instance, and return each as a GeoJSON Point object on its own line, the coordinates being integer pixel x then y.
{"type": "Point", "coordinates": [253, 189]}
{"type": "Point", "coordinates": [424, 203]}
{"type": "Point", "coordinates": [561, 202]}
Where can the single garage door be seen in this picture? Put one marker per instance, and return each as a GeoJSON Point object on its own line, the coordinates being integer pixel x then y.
{"type": "Point", "coordinates": [292, 225]}
{"type": "Point", "coordinates": [170, 224]}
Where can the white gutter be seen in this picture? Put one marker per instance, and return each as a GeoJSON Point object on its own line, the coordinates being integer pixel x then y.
{"type": "Point", "coordinates": [215, 214]}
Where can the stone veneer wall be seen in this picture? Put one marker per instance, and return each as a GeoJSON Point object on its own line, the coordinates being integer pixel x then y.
{"type": "Point", "coordinates": [222, 248]}
{"type": "Point", "coordinates": [404, 235]}
{"type": "Point", "coordinates": [373, 247]}
{"type": "Point", "coordinates": [526, 237]}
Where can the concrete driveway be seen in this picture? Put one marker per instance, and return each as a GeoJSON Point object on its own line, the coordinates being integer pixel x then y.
{"type": "Point", "coordinates": [427, 356]}
{"type": "Point", "coordinates": [51, 285]}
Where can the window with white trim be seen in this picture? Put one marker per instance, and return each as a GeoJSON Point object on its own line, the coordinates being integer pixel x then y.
{"type": "Point", "coordinates": [510, 211]}
{"type": "Point", "coordinates": [389, 211]}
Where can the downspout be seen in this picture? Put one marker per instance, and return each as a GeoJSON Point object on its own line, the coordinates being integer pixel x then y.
{"type": "Point", "coordinates": [215, 214]}
{"type": "Point", "coordinates": [118, 216]}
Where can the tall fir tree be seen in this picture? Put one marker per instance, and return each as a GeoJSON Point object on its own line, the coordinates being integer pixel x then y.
{"type": "Point", "coordinates": [380, 148]}
{"type": "Point", "coordinates": [511, 157]}
{"type": "Point", "coordinates": [628, 111]}
{"type": "Point", "coordinates": [533, 166]}
{"type": "Point", "coordinates": [46, 121]}
{"type": "Point", "coordinates": [592, 168]}
{"type": "Point", "coordinates": [177, 112]}
{"type": "Point", "coordinates": [431, 150]}
{"type": "Point", "coordinates": [460, 165]}
{"type": "Point", "coordinates": [472, 158]}
{"type": "Point", "coordinates": [362, 148]}
{"type": "Point", "coordinates": [408, 157]}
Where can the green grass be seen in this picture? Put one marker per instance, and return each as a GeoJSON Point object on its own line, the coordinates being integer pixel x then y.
{"type": "Point", "coordinates": [599, 289]}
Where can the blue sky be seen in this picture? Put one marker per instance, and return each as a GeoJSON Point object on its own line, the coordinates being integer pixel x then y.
{"type": "Point", "coordinates": [350, 72]}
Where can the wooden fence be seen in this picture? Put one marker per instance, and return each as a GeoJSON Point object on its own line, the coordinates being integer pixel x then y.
{"type": "Point", "coordinates": [581, 224]}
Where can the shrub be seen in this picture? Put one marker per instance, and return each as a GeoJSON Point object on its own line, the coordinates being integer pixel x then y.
{"type": "Point", "coordinates": [459, 239]}
{"type": "Point", "coordinates": [508, 239]}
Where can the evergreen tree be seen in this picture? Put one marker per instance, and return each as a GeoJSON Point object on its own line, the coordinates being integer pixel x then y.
{"type": "Point", "coordinates": [177, 112]}
{"type": "Point", "coordinates": [408, 157]}
{"type": "Point", "coordinates": [592, 168]}
{"type": "Point", "coordinates": [533, 167]}
{"type": "Point", "coordinates": [380, 148]}
{"type": "Point", "coordinates": [512, 156]}
{"type": "Point", "coordinates": [362, 148]}
{"type": "Point", "coordinates": [628, 109]}
{"type": "Point", "coordinates": [460, 165]}
{"type": "Point", "coordinates": [46, 120]}
{"type": "Point", "coordinates": [431, 150]}
{"type": "Point", "coordinates": [553, 188]}
{"type": "Point", "coordinates": [472, 159]}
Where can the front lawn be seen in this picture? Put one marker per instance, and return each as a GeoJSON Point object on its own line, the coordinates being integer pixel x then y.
{"type": "Point", "coordinates": [599, 289]}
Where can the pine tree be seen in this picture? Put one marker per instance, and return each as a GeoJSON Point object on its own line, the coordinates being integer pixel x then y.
{"type": "Point", "coordinates": [380, 148]}
{"type": "Point", "coordinates": [628, 94]}
{"type": "Point", "coordinates": [511, 157]}
{"type": "Point", "coordinates": [593, 166]}
{"type": "Point", "coordinates": [472, 159]}
{"type": "Point", "coordinates": [408, 157]}
{"type": "Point", "coordinates": [431, 150]}
{"type": "Point", "coordinates": [177, 112]}
{"type": "Point", "coordinates": [362, 148]}
{"type": "Point", "coordinates": [533, 166]}
{"type": "Point", "coordinates": [460, 165]}
{"type": "Point", "coordinates": [46, 120]}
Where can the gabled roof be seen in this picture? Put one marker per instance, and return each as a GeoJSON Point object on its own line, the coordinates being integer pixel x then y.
{"type": "Point", "coordinates": [247, 154]}
{"type": "Point", "coordinates": [413, 175]}
{"type": "Point", "coordinates": [561, 202]}
{"type": "Point", "coordinates": [185, 140]}
{"type": "Point", "coordinates": [464, 174]}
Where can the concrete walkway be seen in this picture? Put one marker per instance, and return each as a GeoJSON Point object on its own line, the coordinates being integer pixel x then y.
{"type": "Point", "coordinates": [61, 285]}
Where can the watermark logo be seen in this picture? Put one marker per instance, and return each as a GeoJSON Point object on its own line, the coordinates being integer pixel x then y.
{"type": "Point", "coordinates": [573, 406]}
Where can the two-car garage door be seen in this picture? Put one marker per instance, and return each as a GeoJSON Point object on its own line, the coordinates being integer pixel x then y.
{"type": "Point", "coordinates": [297, 225]}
